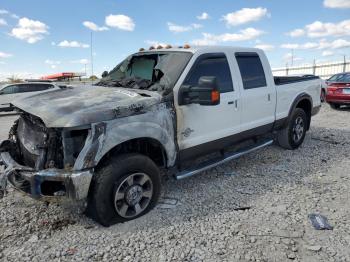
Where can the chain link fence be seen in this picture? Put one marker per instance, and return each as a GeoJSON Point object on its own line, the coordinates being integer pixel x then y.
{"type": "Point", "coordinates": [323, 70]}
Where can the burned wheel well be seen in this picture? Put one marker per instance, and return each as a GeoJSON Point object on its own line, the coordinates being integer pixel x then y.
{"type": "Point", "coordinates": [306, 105]}
{"type": "Point", "coordinates": [146, 146]}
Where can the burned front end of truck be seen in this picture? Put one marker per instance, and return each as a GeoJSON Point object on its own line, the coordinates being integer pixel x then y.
{"type": "Point", "coordinates": [60, 138]}
{"type": "Point", "coordinates": [39, 161]}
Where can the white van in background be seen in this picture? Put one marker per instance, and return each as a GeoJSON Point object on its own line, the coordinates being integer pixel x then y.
{"type": "Point", "coordinates": [10, 92]}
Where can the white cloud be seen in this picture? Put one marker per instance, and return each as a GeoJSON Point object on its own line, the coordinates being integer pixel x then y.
{"type": "Point", "coordinates": [155, 43]}
{"type": "Point", "coordinates": [265, 47]}
{"type": "Point", "coordinates": [92, 26]}
{"type": "Point", "coordinates": [296, 33]}
{"type": "Point", "coordinates": [52, 62]}
{"type": "Point", "coordinates": [323, 44]}
{"type": "Point", "coordinates": [203, 16]}
{"type": "Point", "coordinates": [327, 53]}
{"type": "Point", "coordinates": [336, 44]}
{"type": "Point", "coordinates": [14, 16]}
{"type": "Point", "coordinates": [29, 30]}
{"type": "Point", "coordinates": [289, 56]}
{"type": "Point", "coordinates": [2, 22]}
{"type": "Point", "coordinates": [76, 44]}
{"type": "Point", "coordinates": [244, 16]}
{"type": "Point", "coordinates": [5, 55]}
{"type": "Point", "coordinates": [243, 35]}
{"type": "Point", "coordinates": [337, 3]}
{"type": "Point", "coordinates": [83, 61]}
{"type": "Point", "coordinates": [3, 12]}
{"type": "Point", "coordinates": [320, 29]}
{"type": "Point", "coordinates": [290, 46]}
{"type": "Point", "coordinates": [180, 29]}
{"type": "Point", "coordinates": [121, 22]}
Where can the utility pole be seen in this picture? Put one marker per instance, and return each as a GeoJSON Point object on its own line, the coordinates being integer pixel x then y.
{"type": "Point", "coordinates": [344, 65]}
{"type": "Point", "coordinates": [91, 56]}
{"type": "Point", "coordinates": [292, 57]}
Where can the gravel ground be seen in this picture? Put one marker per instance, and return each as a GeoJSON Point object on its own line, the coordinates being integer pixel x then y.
{"type": "Point", "coordinates": [279, 188]}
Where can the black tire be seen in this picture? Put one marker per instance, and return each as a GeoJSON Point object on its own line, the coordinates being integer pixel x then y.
{"type": "Point", "coordinates": [334, 106]}
{"type": "Point", "coordinates": [292, 136]}
{"type": "Point", "coordinates": [112, 178]}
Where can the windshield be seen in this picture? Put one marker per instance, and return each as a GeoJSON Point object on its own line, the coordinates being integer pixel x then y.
{"type": "Point", "coordinates": [344, 78]}
{"type": "Point", "coordinates": [152, 71]}
{"type": "Point", "coordinates": [336, 77]}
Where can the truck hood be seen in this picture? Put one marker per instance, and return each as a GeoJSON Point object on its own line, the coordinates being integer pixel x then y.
{"type": "Point", "coordinates": [84, 105]}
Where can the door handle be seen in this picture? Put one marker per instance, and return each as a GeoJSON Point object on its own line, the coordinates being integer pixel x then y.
{"type": "Point", "coordinates": [230, 102]}
{"type": "Point", "coordinates": [269, 97]}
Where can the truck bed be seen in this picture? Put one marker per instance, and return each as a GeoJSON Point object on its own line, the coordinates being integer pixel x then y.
{"type": "Point", "coordinates": [282, 80]}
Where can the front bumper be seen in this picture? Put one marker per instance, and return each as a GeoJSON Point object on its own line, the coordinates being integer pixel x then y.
{"type": "Point", "coordinates": [48, 184]}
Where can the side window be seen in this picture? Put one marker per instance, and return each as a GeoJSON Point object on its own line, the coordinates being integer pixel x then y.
{"type": "Point", "coordinates": [211, 65]}
{"type": "Point", "coordinates": [23, 88]}
{"type": "Point", "coordinates": [252, 71]}
{"type": "Point", "coordinates": [33, 87]}
{"type": "Point", "coordinates": [10, 90]}
{"type": "Point", "coordinates": [41, 87]}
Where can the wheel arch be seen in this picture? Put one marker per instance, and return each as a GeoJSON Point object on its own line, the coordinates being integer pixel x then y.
{"type": "Point", "coordinates": [303, 101]}
{"type": "Point", "coordinates": [147, 146]}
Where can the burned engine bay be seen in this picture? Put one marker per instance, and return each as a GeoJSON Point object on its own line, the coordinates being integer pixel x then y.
{"type": "Point", "coordinates": [39, 147]}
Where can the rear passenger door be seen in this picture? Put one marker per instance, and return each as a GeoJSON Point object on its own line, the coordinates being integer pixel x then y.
{"type": "Point", "coordinates": [199, 124]}
{"type": "Point", "coordinates": [258, 99]}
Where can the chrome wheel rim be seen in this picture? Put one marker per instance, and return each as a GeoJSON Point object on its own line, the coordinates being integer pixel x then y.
{"type": "Point", "coordinates": [298, 129]}
{"type": "Point", "coordinates": [133, 195]}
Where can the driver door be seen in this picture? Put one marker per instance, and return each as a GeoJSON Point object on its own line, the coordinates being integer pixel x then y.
{"type": "Point", "coordinates": [202, 128]}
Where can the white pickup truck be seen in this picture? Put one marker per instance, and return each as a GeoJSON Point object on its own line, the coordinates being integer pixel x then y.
{"type": "Point", "coordinates": [160, 108]}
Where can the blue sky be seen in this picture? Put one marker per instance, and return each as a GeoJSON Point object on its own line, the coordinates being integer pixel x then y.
{"type": "Point", "coordinates": [43, 37]}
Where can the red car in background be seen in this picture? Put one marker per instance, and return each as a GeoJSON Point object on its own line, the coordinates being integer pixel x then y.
{"type": "Point", "coordinates": [338, 90]}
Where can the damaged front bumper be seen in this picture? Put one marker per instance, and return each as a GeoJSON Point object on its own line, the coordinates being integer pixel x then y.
{"type": "Point", "coordinates": [49, 184]}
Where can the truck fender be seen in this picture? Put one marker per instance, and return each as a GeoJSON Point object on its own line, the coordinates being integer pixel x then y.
{"type": "Point", "coordinates": [284, 122]}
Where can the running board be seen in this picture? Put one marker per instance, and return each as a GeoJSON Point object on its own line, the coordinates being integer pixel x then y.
{"type": "Point", "coordinates": [210, 164]}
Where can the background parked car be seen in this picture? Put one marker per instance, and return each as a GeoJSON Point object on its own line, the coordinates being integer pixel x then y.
{"type": "Point", "coordinates": [10, 92]}
{"type": "Point", "coordinates": [338, 90]}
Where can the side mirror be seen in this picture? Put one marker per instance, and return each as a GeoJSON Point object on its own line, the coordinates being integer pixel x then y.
{"type": "Point", "coordinates": [104, 74]}
{"type": "Point", "coordinates": [206, 93]}
{"type": "Point", "coordinates": [1, 92]}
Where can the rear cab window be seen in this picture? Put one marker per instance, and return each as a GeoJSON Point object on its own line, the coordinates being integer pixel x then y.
{"type": "Point", "coordinates": [251, 69]}
{"type": "Point", "coordinates": [216, 65]}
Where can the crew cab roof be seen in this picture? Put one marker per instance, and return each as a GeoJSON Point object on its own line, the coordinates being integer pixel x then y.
{"type": "Point", "coordinates": [209, 49]}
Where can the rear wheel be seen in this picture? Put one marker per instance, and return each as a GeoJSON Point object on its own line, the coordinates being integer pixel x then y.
{"type": "Point", "coordinates": [124, 189]}
{"type": "Point", "coordinates": [334, 106]}
{"type": "Point", "coordinates": [292, 136]}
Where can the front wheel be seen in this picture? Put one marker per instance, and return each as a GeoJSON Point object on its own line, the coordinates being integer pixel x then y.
{"type": "Point", "coordinates": [126, 188]}
{"type": "Point", "coordinates": [292, 136]}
